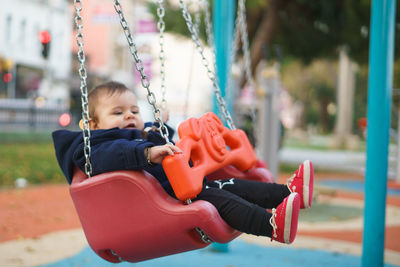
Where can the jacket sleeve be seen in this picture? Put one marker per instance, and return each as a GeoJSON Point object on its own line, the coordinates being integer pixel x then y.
{"type": "Point", "coordinates": [111, 155]}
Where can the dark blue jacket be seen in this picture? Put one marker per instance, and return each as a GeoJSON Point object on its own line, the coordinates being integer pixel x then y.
{"type": "Point", "coordinates": [112, 149]}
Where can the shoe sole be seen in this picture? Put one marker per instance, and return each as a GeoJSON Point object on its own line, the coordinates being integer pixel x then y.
{"type": "Point", "coordinates": [308, 179]}
{"type": "Point", "coordinates": [291, 217]}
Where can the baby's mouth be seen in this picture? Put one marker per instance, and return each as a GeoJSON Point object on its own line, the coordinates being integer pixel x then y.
{"type": "Point", "coordinates": [130, 126]}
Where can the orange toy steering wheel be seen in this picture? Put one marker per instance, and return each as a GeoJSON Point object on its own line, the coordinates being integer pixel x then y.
{"type": "Point", "coordinates": [209, 146]}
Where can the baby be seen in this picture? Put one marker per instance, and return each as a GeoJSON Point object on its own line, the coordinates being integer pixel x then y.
{"type": "Point", "coordinates": [120, 140]}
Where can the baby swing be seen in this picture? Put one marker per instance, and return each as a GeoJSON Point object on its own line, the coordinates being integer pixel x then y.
{"type": "Point", "coordinates": [127, 215]}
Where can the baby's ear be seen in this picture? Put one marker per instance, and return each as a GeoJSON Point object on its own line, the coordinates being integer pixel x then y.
{"type": "Point", "coordinates": [92, 124]}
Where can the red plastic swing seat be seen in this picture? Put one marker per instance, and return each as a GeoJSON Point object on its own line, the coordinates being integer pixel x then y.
{"type": "Point", "coordinates": [127, 215]}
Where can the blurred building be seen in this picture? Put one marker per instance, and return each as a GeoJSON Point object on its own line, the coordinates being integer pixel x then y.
{"type": "Point", "coordinates": [33, 66]}
{"type": "Point", "coordinates": [39, 63]}
{"type": "Point", "coordinates": [35, 63]}
{"type": "Point", "coordinates": [106, 48]}
{"type": "Point", "coordinates": [188, 89]}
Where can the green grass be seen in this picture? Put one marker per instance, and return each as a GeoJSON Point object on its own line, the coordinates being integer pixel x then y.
{"type": "Point", "coordinates": [25, 137]}
{"type": "Point", "coordinates": [291, 168]}
{"type": "Point", "coordinates": [316, 142]}
{"type": "Point", "coordinates": [34, 161]}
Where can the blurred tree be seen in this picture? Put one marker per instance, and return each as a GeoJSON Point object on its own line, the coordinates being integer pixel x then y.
{"type": "Point", "coordinates": [360, 96]}
{"type": "Point", "coordinates": [304, 29]}
{"type": "Point", "coordinates": [315, 86]}
{"type": "Point", "coordinates": [174, 21]}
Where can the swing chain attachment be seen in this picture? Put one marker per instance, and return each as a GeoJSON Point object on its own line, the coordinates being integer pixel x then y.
{"type": "Point", "coordinates": [161, 29]}
{"type": "Point", "coordinates": [151, 98]}
{"type": "Point", "coordinates": [83, 87]}
{"type": "Point", "coordinates": [116, 255]}
{"type": "Point", "coordinates": [210, 73]}
{"type": "Point", "coordinates": [203, 235]}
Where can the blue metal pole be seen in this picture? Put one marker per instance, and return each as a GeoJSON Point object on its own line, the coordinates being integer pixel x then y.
{"type": "Point", "coordinates": [378, 114]}
{"type": "Point", "coordinates": [223, 25]}
{"type": "Point", "coordinates": [223, 22]}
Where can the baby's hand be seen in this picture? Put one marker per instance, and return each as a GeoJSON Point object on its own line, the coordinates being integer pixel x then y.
{"type": "Point", "coordinates": [157, 153]}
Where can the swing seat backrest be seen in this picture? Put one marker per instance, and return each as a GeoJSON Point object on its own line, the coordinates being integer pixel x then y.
{"type": "Point", "coordinates": [129, 213]}
{"type": "Point", "coordinates": [209, 146]}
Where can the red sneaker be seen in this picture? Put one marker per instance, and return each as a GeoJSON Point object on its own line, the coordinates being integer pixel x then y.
{"type": "Point", "coordinates": [302, 182]}
{"type": "Point", "coordinates": [284, 219]}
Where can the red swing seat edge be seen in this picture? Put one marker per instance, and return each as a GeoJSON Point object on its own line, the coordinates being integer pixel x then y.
{"type": "Point", "coordinates": [97, 215]}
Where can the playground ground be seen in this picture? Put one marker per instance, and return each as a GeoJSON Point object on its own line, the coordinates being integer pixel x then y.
{"type": "Point", "coordinates": [39, 227]}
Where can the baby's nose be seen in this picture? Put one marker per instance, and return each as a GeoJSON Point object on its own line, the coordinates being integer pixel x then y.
{"type": "Point", "coordinates": [129, 115]}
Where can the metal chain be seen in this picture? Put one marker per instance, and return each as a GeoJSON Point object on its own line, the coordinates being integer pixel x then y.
{"type": "Point", "coordinates": [234, 49]}
{"type": "Point", "coordinates": [209, 29]}
{"type": "Point", "coordinates": [83, 87]}
{"type": "Point", "coordinates": [242, 25]}
{"type": "Point", "coordinates": [197, 19]}
{"type": "Point", "coordinates": [209, 32]}
{"type": "Point", "coordinates": [151, 98]}
{"type": "Point", "coordinates": [161, 29]}
{"type": "Point", "coordinates": [204, 237]}
{"type": "Point", "coordinates": [210, 73]}
{"type": "Point", "coordinates": [210, 39]}
{"type": "Point", "coordinates": [239, 33]}
{"type": "Point", "coordinates": [245, 41]}
{"type": "Point", "coordinates": [116, 255]}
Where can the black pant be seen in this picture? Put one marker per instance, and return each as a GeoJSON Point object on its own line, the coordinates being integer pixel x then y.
{"type": "Point", "coordinates": [242, 203]}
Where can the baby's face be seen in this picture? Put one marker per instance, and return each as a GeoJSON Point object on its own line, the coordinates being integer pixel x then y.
{"type": "Point", "coordinates": [118, 110]}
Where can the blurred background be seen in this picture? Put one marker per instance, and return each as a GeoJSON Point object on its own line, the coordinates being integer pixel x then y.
{"type": "Point", "coordinates": [308, 60]}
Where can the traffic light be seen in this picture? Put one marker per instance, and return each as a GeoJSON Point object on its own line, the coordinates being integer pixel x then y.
{"type": "Point", "coordinates": [45, 38]}
{"type": "Point", "coordinates": [7, 77]}
{"type": "Point", "coordinates": [5, 70]}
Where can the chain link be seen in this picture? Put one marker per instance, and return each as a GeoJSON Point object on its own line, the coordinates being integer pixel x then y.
{"type": "Point", "coordinates": [210, 73]}
{"type": "Point", "coordinates": [210, 39]}
{"type": "Point", "coordinates": [242, 25]}
{"type": "Point", "coordinates": [209, 29]}
{"type": "Point", "coordinates": [245, 41]}
{"type": "Point", "coordinates": [204, 237]}
{"type": "Point", "coordinates": [209, 32]}
{"type": "Point", "coordinates": [83, 87]}
{"type": "Point", "coordinates": [151, 98]}
{"type": "Point", "coordinates": [161, 29]}
{"type": "Point", "coordinates": [240, 33]}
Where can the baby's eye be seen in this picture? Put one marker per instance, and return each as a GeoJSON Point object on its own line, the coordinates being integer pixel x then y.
{"type": "Point", "coordinates": [117, 112]}
{"type": "Point", "coordinates": [135, 111]}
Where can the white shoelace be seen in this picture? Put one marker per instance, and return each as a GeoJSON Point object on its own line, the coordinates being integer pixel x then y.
{"type": "Point", "coordinates": [273, 224]}
{"type": "Point", "coordinates": [289, 182]}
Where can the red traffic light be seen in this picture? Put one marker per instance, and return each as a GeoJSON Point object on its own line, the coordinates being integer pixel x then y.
{"type": "Point", "coordinates": [44, 37]}
{"type": "Point", "coordinates": [7, 77]}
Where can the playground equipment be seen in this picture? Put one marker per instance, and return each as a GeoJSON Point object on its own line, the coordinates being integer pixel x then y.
{"type": "Point", "coordinates": [126, 215]}
{"type": "Point", "coordinates": [383, 15]}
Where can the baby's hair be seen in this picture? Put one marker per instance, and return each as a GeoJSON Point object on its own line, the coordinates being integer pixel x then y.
{"type": "Point", "coordinates": [108, 88]}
